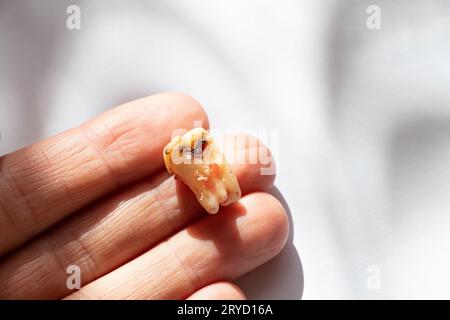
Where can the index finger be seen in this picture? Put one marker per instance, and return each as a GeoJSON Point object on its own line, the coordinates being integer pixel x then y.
{"type": "Point", "coordinates": [43, 183]}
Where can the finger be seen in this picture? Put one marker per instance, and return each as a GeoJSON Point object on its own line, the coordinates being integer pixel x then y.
{"type": "Point", "coordinates": [112, 232]}
{"type": "Point", "coordinates": [218, 291]}
{"type": "Point", "coordinates": [41, 184]}
{"type": "Point", "coordinates": [221, 247]}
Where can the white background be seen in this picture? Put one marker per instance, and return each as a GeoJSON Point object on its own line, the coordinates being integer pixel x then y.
{"type": "Point", "coordinates": [364, 117]}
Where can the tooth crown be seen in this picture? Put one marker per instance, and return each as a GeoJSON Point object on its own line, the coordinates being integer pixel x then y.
{"type": "Point", "coordinates": [196, 159]}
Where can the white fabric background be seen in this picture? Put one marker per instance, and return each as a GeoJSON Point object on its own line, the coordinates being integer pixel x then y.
{"type": "Point", "coordinates": [367, 182]}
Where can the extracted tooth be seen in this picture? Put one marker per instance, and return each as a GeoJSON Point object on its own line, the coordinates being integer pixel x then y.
{"type": "Point", "coordinates": [196, 160]}
{"type": "Point", "coordinates": [221, 193]}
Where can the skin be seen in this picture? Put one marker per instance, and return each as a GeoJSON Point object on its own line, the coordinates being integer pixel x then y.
{"type": "Point", "coordinates": [98, 196]}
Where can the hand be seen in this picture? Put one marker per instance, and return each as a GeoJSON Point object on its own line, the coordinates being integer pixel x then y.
{"type": "Point", "coordinates": [98, 197]}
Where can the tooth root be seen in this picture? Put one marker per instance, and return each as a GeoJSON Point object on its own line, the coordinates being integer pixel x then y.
{"type": "Point", "coordinates": [232, 186]}
{"type": "Point", "coordinates": [227, 202]}
{"type": "Point", "coordinates": [232, 197]}
{"type": "Point", "coordinates": [209, 203]}
{"type": "Point", "coordinates": [221, 192]}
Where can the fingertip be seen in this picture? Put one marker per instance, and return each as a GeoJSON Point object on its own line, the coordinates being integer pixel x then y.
{"type": "Point", "coordinates": [252, 161]}
{"type": "Point", "coordinates": [272, 219]}
{"type": "Point", "coordinates": [219, 291]}
{"type": "Point", "coordinates": [186, 104]}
